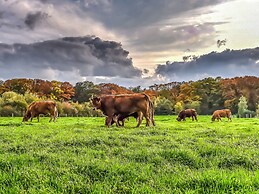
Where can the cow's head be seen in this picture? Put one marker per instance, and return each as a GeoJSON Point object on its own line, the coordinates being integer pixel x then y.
{"type": "Point", "coordinates": [178, 118]}
{"type": "Point", "coordinates": [212, 118]}
{"type": "Point", "coordinates": [26, 116]}
{"type": "Point", "coordinates": [96, 101]}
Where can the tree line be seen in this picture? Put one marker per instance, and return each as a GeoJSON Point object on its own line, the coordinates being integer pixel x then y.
{"type": "Point", "coordinates": [239, 94]}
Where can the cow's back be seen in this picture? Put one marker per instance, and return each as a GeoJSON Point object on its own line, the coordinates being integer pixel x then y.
{"type": "Point", "coordinates": [125, 103]}
{"type": "Point", "coordinates": [42, 107]}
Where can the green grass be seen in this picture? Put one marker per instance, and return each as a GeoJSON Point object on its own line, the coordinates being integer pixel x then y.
{"type": "Point", "coordinates": [81, 155]}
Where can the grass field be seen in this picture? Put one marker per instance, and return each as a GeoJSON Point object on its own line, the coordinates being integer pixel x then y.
{"type": "Point", "coordinates": [80, 155]}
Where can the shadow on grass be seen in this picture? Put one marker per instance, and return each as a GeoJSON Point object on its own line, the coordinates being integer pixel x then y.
{"type": "Point", "coordinates": [14, 124]}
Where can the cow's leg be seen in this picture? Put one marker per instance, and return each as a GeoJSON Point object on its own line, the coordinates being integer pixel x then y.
{"type": "Point", "coordinates": [38, 117]}
{"type": "Point", "coordinates": [51, 117]}
{"type": "Point", "coordinates": [147, 116]}
{"type": "Point", "coordinates": [122, 122]}
{"type": "Point", "coordinates": [32, 116]}
{"type": "Point", "coordinates": [115, 119]}
{"type": "Point", "coordinates": [55, 114]}
{"type": "Point", "coordinates": [109, 120]}
{"type": "Point", "coordinates": [140, 118]}
{"type": "Point", "coordinates": [184, 118]}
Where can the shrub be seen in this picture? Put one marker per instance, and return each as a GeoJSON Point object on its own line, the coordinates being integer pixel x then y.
{"type": "Point", "coordinates": [7, 111]}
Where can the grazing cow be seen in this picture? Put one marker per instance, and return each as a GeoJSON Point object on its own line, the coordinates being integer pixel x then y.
{"type": "Point", "coordinates": [41, 107]}
{"type": "Point", "coordinates": [125, 104]}
{"type": "Point", "coordinates": [217, 114]}
{"type": "Point", "coordinates": [187, 113]}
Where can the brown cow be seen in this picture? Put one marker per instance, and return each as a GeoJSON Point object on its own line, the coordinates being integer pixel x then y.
{"type": "Point", "coordinates": [121, 118]}
{"type": "Point", "coordinates": [217, 114]}
{"type": "Point", "coordinates": [125, 104]}
{"type": "Point", "coordinates": [187, 113]}
{"type": "Point", "coordinates": [41, 107]}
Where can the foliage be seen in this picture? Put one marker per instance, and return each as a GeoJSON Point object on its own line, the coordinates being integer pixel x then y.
{"type": "Point", "coordinates": [205, 95]}
{"type": "Point", "coordinates": [15, 100]}
{"type": "Point", "coordinates": [163, 106]}
{"type": "Point", "coordinates": [242, 106]}
{"type": "Point", "coordinates": [249, 113]}
{"type": "Point", "coordinates": [55, 90]}
{"type": "Point", "coordinates": [257, 110]}
{"type": "Point", "coordinates": [178, 107]}
{"type": "Point", "coordinates": [194, 105]}
{"type": "Point", "coordinates": [7, 111]}
{"type": "Point", "coordinates": [84, 91]}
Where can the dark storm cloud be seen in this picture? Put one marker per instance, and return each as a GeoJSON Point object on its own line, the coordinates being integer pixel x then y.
{"type": "Point", "coordinates": [32, 19]}
{"type": "Point", "coordinates": [89, 56]}
{"type": "Point", "coordinates": [139, 13]}
{"type": "Point", "coordinates": [191, 36]}
{"type": "Point", "coordinates": [229, 63]}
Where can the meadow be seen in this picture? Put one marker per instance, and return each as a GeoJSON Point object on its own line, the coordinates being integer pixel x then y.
{"type": "Point", "coordinates": [81, 155]}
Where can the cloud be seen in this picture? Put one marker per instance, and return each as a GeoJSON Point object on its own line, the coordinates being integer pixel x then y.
{"type": "Point", "coordinates": [32, 19]}
{"type": "Point", "coordinates": [68, 57]}
{"type": "Point", "coordinates": [229, 63]}
{"type": "Point", "coordinates": [26, 21]}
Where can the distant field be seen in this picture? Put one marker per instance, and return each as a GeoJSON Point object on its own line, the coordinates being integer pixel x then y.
{"type": "Point", "coordinates": [80, 155]}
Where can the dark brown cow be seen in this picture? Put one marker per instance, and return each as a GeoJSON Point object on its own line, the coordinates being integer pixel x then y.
{"type": "Point", "coordinates": [217, 114]}
{"type": "Point", "coordinates": [41, 107]}
{"type": "Point", "coordinates": [125, 104]}
{"type": "Point", "coordinates": [187, 113]}
{"type": "Point", "coordinates": [120, 119]}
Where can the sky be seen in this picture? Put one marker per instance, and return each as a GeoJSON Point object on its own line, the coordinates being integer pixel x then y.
{"type": "Point", "coordinates": [128, 42]}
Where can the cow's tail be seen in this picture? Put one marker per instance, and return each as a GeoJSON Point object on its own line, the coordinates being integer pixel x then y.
{"type": "Point", "coordinates": [150, 109]}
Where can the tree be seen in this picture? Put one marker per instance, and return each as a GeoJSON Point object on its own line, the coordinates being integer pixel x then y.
{"type": "Point", "coordinates": [178, 107]}
{"type": "Point", "coordinates": [257, 110]}
{"type": "Point", "coordinates": [210, 94]}
{"type": "Point", "coordinates": [242, 106]}
{"type": "Point", "coordinates": [84, 91]}
{"type": "Point", "coordinates": [17, 101]}
{"type": "Point", "coordinates": [195, 105]}
{"type": "Point", "coordinates": [136, 89]}
{"type": "Point", "coordinates": [163, 106]}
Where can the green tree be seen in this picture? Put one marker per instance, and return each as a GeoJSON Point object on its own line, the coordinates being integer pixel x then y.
{"type": "Point", "coordinates": [242, 106]}
{"type": "Point", "coordinates": [210, 94]}
{"type": "Point", "coordinates": [84, 91]}
{"type": "Point", "coordinates": [163, 106]}
{"type": "Point", "coordinates": [178, 107]}
{"type": "Point", "coordinates": [257, 110]}
{"type": "Point", "coordinates": [194, 104]}
{"type": "Point", "coordinates": [17, 101]}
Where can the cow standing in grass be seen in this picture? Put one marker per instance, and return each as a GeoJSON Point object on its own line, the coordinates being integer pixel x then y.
{"type": "Point", "coordinates": [125, 104]}
{"type": "Point", "coordinates": [217, 114]}
{"type": "Point", "coordinates": [187, 113]}
{"type": "Point", "coordinates": [41, 107]}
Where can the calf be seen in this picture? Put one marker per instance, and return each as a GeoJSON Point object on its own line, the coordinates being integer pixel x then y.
{"type": "Point", "coordinates": [217, 114]}
{"type": "Point", "coordinates": [187, 113]}
{"type": "Point", "coordinates": [120, 118]}
{"type": "Point", "coordinates": [41, 107]}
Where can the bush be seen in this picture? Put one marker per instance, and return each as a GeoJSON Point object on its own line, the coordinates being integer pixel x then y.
{"type": "Point", "coordinates": [163, 106]}
{"type": "Point", "coordinates": [250, 113]}
{"type": "Point", "coordinates": [247, 114]}
{"type": "Point", "coordinates": [7, 111]}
